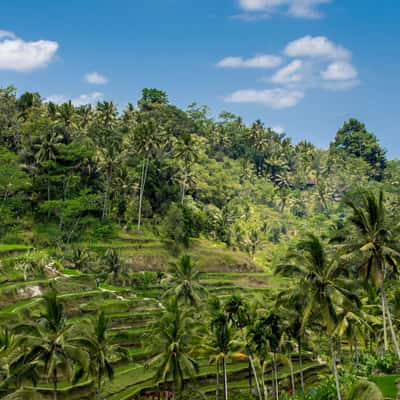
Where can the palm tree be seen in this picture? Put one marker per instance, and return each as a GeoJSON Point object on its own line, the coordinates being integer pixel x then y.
{"type": "Point", "coordinates": [172, 340]}
{"type": "Point", "coordinates": [239, 315]}
{"type": "Point", "coordinates": [187, 151]}
{"type": "Point", "coordinates": [49, 343]}
{"type": "Point", "coordinates": [324, 289]}
{"type": "Point", "coordinates": [47, 153]}
{"type": "Point", "coordinates": [106, 114]}
{"type": "Point", "coordinates": [294, 303]}
{"type": "Point", "coordinates": [259, 341]}
{"type": "Point", "coordinates": [109, 158]}
{"type": "Point", "coordinates": [375, 248]}
{"type": "Point", "coordinates": [185, 281]}
{"type": "Point", "coordinates": [66, 116]}
{"type": "Point", "coordinates": [115, 268]}
{"type": "Point", "coordinates": [220, 344]}
{"type": "Point", "coordinates": [147, 141]}
{"type": "Point", "coordinates": [100, 350]}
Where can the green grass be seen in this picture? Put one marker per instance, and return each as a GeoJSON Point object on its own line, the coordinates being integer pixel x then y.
{"type": "Point", "coordinates": [387, 384]}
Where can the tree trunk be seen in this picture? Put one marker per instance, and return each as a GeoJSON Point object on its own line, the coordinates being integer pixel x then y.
{"type": "Point", "coordinates": [48, 192]}
{"type": "Point", "coordinates": [217, 387]}
{"type": "Point", "coordinates": [335, 371]}
{"type": "Point", "coordinates": [250, 376]}
{"type": "Point", "coordinates": [276, 378]}
{"type": "Point", "coordinates": [143, 177]}
{"type": "Point", "coordinates": [385, 341]}
{"type": "Point", "coordinates": [55, 380]}
{"type": "Point", "coordinates": [255, 376]}
{"type": "Point", "coordinates": [391, 327]}
{"type": "Point", "coordinates": [184, 187]}
{"type": "Point", "coordinates": [106, 197]}
{"type": "Point", "coordinates": [225, 380]}
{"type": "Point", "coordinates": [300, 364]}
{"type": "Point", "coordinates": [263, 381]}
{"type": "Point", "coordinates": [292, 374]}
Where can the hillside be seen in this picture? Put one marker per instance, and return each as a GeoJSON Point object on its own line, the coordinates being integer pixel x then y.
{"type": "Point", "coordinates": [100, 208]}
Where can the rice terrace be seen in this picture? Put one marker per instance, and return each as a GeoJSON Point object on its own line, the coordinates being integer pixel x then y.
{"type": "Point", "coordinates": [199, 200]}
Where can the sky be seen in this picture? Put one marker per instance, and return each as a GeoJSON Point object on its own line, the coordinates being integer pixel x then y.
{"type": "Point", "coordinates": [301, 66]}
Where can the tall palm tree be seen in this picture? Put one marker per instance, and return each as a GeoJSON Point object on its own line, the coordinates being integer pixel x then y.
{"type": "Point", "coordinates": [185, 282]}
{"type": "Point", "coordinates": [259, 341]}
{"type": "Point", "coordinates": [100, 350]}
{"type": "Point", "coordinates": [47, 153]}
{"type": "Point", "coordinates": [187, 150]}
{"type": "Point", "coordinates": [325, 290]}
{"type": "Point", "coordinates": [49, 343]}
{"type": "Point", "coordinates": [109, 158]}
{"type": "Point", "coordinates": [238, 312]}
{"type": "Point", "coordinates": [147, 141]}
{"type": "Point", "coordinates": [106, 114]}
{"type": "Point", "coordinates": [172, 340]}
{"type": "Point", "coordinates": [294, 303]}
{"type": "Point", "coordinates": [374, 246]}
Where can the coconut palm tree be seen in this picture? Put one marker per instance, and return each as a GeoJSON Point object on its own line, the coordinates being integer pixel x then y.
{"type": "Point", "coordinates": [187, 151]}
{"type": "Point", "coordinates": [46, 154]}
{"type": "Point", "coordinates": [220, 343]}
{"type": "Point", "coordinates": [238, 312]}
{"type": "Point", "coordinates": [49, 344]}
{"type": "Point", "coordinates": [147, 141]}
{"type": "Point", "coordinates": [97, 343]}
{"type": "Point", "coordinates": [185, 282]}
{"type": "Point", "coordinates": [294, 303]}
{"type": "Point", "coordinates": [373, 245]}
{"type": "Point", "coordinates": [172, 340]}
{"type": "Point", "coordinates": [115, 268]}
{"type": "Point", "coordinates": [323, 286]}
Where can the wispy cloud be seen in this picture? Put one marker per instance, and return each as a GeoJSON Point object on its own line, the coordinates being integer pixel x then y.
{"type": "Point", "coordinates": [339, 71]}
{"type": "Point", "coordinates": [291, 73]}
{"type": "Point", "coordinates": [275, 98]}
{"type": "Point", "coordinates": [83, 99]}
{"type": "Point", "coordinates": [316, 46]}
{"type": "Point", "coordinates": [259, 61]}
{"type": "Point", "coordinates": [19, 55]}
{"type": "Point", "coordinates": [295, 8]}
{"type": "Point", "coordinates": [95, 78]}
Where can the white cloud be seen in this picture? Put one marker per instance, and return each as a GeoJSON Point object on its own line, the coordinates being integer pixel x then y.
{"type": "Point", "coordinates": [83, 99]}
{"type": "Point", "coordinates": [19, 55]}
{"type": "Point", "coordinates": [6, 34]}
{"type": "Point", "coordinates": [290, 73]}
{"type": "Point", "coordinates": [274, 98]}
{"type": "Point", "coordinates": [316, 46]}
{"type": "Point", "coordinates": [95, 78]}
{"type": "Point", "coordinates": [339, 71]}
{"type": "Point", "coordinates": [295, 8]}
{"type": "Point", "coordinates": [259, 61]}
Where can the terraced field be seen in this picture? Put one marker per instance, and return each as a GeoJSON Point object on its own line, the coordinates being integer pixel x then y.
{"type": "Point", "coordinates": [132, 309]}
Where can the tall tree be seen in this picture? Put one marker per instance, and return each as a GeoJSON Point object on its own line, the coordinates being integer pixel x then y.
{"type": "Point", "coordinates": [320, 280]}
{"type": "Point", "coordinates": [373, 245]}
{"type": "Point", "coordinates": [147, 141]}
{"type": "Point", "coordinates": [354, 140]}
{"type": "Point", "coordinates": [185, 282]}
{"type": "Point", "coordinates": [172, 340]}
{"type": "Point", "coordinates": [101, 350]}
{"type": "Point", "coordinates": [50, 343]}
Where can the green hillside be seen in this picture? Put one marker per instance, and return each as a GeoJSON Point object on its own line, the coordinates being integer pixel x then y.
{"type": "Point", "coordinates": [156, 251]}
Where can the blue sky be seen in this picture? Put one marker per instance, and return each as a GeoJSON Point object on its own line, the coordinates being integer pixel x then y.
{"type": "Point", "coordinates": [303, 66]}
